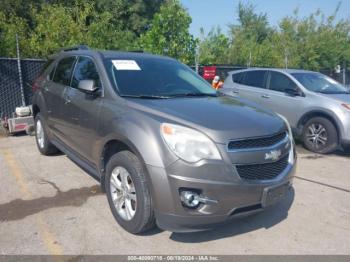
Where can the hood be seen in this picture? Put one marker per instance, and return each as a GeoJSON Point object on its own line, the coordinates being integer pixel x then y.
{"type": "Point", "coordinates": [345, 98]}
{"type": "Point", "coordinates": [220, 118]}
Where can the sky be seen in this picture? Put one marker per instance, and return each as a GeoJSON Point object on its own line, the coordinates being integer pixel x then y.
{"type": "Point", "coordinates": [209, 13]}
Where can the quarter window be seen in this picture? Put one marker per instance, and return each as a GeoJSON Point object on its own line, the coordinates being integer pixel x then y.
{"type": "Point", "coordinates": [280, 82]}
{"type": "Point", "coordinates": [63, 71]}
{"type": "Point", "coordinates": [255, 78]}
{"type": "Point", "coordinates": [85, 70]}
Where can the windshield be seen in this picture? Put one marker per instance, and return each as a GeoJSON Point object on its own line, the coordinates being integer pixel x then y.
{"type": "Point", "coordinates": [320, 83]}
{"type": "Point", "coordinates": [152, 77]}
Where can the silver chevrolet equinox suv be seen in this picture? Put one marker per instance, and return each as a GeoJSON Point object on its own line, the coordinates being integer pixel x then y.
{"type": "Point", "coordinates": [316, 106]}
{"type": "Point", "coordinates": [166, 148]}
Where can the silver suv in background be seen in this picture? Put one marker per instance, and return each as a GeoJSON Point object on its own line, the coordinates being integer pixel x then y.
{"type": "Point", "coordinates": [316, 106]}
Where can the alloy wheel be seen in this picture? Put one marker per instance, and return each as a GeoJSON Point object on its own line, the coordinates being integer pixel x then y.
{"type": "Point", "coordinates": [123, 193]}
{"type": "Point", "coordinates": [317, 135]}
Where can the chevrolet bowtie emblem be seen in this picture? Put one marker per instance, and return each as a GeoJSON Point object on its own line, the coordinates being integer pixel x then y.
{"type": "Point", "coordinates": [273, 155]}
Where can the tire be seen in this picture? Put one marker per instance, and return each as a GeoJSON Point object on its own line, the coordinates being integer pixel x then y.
{"type": "Point", "coordinates": [135, 210]}
{"type": "Point", "coordinates": [320, 135]}
{"type": "Point", "coordinates": [42, 141]}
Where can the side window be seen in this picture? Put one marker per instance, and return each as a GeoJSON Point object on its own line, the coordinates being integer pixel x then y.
{"type": "Point", "coordinates": [238, 78]}
{"type": "Point", "coordinates": [255, 78]}
{"type": "Point", "coordinates": [280, 82]}
{"type": "Point", "coordinates": [85, 70]}
{"type": "Point", "coordinates": [63, 71]}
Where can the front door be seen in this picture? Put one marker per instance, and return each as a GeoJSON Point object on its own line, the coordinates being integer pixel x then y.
{"type": "Point", "coordinates": [280, 101]}
{"type": "Point", "coordinates": [83, 110]}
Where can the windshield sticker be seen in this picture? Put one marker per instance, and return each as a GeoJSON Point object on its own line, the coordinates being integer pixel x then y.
{"type": "Point", "coordinates": [125, 65]}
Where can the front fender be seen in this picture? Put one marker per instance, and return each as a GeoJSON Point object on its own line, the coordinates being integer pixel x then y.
{"type": "Point", "coordinates": [322, 111]}
{"type": "Point", "coordinates": [142, 135]}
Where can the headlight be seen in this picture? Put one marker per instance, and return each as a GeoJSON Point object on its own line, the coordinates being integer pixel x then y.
{"type": "Point", "coordinates": [188, 144]}
{"type": "Point", "coordinates": [291, 154]}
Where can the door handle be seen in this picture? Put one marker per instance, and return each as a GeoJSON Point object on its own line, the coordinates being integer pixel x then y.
{"type": "Point", "coordinates": [235, 91]}
{"type": "Point", "coordinates": [265, 96]}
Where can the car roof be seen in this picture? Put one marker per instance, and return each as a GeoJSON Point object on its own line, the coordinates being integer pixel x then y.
{"type": "Point", "coordinates": [283, 70]}
{"type": "Point", "coordinates": [111, 54]}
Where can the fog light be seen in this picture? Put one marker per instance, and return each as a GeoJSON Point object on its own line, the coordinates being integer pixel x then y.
{"type": "Point", "coordinates": [190, 199]}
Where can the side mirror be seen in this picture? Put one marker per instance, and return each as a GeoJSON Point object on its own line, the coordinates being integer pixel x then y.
{"type": "Point", "coordinates": [87, 86]}
{"type": "Point", "coordinates": [293, 91]}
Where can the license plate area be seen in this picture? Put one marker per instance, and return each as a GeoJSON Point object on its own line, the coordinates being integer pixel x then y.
{"type": "Point", "coordinates": [273, 195]}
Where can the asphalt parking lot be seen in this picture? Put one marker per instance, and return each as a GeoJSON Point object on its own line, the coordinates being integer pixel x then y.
{"type": "Point", "coordinates": [50, 206]}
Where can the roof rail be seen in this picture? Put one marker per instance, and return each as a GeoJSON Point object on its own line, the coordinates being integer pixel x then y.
{"type": "Point", "coordinates": [77, 47]}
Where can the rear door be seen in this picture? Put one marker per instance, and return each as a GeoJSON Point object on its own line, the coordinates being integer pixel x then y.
{"type": "Point", "coordinates": [54, 92]}
{"type": "Point", "coordinates": [83, 109]}
{"type": "Point", "coordinates": [252, 85]}
{"type": "Point", "coordinates": [231, 84]}
{"type": "Point", "coordinates": [278, 100]}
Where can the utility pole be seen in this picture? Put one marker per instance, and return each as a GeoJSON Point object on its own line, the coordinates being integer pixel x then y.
{"type": "Point", "coordinates": [344, 73]}
{"type": "Point", "coordinates": [197, 60]}
{"type": "Point", "coordinates": [20, 72]}
{"type": "Point", "coordinates": [286, 58]}
{"type": "Point", "coordinates": [250, 59]}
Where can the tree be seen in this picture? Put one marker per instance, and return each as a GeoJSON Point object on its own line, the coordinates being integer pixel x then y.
{"type": "Point", "coordinates": [252, 25]}
{"type": "Point", "coordinates": [47, 25]}
{"type": "Point", "coordinates": [103, 34]}
{"type": "Point", "coordinates": [169, 33]}
{"type": "Point", "coordinates": [314, 42]}
{"type": "Point", "coordinates": [213, 47]}
{"type": "Point", "coordinates": [55, 26]}
{"type": "Point", "coordinates": [9, 27]}
{"type": "Point", "coordinates": [249, 37]}
{"type": "Point", "coordinates": [131, 15]}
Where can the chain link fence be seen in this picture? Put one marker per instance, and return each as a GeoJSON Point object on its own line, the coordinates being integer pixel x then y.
{"type": "Point", "coordinates": [10, 86]}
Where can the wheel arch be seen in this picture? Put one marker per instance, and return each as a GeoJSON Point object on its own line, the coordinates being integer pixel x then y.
{"type": "Point", "coordinates": [36, 110]}
{"type": "Point", "coordinates": [316, 113]}
{"type": "Point", "coordinates": [39, 104]}
{"type": "Point", "coordinates": [113, 146]}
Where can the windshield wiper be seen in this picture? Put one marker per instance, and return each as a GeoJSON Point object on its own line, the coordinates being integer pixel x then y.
{"type": "Point", "coordinates": [194, 95]}
{"type": "Point", "coordinates": [146, 96]}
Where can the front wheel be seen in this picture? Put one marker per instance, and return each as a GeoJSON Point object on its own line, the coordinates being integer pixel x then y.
{"type": "Point", "coordinates": [320, 135]}
{"type": "Point", "coordinates": [128, 193]}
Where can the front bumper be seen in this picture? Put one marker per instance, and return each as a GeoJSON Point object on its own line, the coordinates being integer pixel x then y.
{"type": "Point", "coordinates": [235, 197]}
